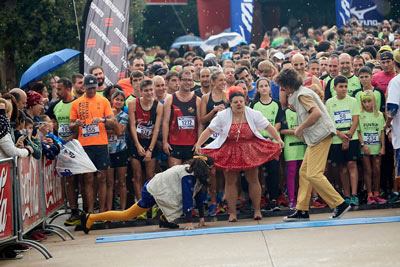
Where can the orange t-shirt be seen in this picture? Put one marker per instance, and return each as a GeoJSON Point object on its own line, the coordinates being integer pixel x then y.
{"type": "Point", "coordinates": [126, 86]}
{"type": "Point", "coordinates": [85, 109]}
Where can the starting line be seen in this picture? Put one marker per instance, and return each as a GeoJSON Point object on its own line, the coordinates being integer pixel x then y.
{"type": "Point", "coordinates": [248, 228]}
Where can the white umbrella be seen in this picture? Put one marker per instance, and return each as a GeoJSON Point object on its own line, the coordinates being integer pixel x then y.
{"type": "Point", "coordinates": [232, 38]}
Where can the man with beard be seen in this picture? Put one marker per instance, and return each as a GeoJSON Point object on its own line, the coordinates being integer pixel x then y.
{"type": "Point", "coordinates": [345, 70]}
{"type": "Point", "coordinates": [229, 76]}
{"type": "Point", "coordinates": [98, 72]}
{"type": "Point", "coordinates": [198, 65]}
{"type": "Point", "coordinates": [77, 85]}
{"type": "Point", "coordinates": [204, 83]}
{"type": "Point", "coordinates": [381, 79]}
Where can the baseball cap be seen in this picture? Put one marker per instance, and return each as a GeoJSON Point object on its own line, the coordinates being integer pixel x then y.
{"type": "Point", "coordinates": [279, 55]}
{"type": "Point", "coordinates": [386, 55]}
{"type": "Point", "coordinates": [161, 72]}
{"type": "Point", "coordinates": [396, 55]}
{"type": "Point", "coordinates": [90, 81]}
{"type": "Point", "coordinates": [154, 68]}
{"type": "Point", "coordinates": [385, 48]}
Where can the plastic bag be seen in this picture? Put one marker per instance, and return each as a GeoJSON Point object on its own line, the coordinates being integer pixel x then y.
{"type": "Point", "coordinates": [74, 160]}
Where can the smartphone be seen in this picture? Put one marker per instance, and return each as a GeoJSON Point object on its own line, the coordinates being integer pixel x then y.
{"type": "Point", "coordinates": [34, 132]}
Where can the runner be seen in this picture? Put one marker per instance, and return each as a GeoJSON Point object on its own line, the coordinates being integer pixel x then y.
{"type": "Point", "coordinates": [204, 82]}
{"type": "Point", "coordinates": [381, 79]}
{"type": "Point", "coordinates": [98, 72]}
{"type": "Point", "coordinates": [77, 85]}
{"type": "Point", "coordinates": [172, 80]}
{"type": "Point", "coordinates": [243, 73]}
{"type": "Point", "coordinates": [90, 114]}
{"type": "Point", "coordinates": [181, 125]}
{"type": "Point", "coordinates": [345, 70]}
{"type": "Point", "coordinates": [136, 77]}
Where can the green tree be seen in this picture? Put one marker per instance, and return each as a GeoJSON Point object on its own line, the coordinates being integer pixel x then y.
{"type": "Point", "coordinates": [30, 29]}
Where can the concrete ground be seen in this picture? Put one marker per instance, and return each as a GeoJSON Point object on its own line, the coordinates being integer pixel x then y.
{"type": "Point", "coordinates": [357, 245]}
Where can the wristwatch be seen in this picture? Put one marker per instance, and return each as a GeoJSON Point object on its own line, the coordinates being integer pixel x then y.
{"type": "Point", "coordinates": [362, 144]}
{"type": "Point", "coordinates": [150, 149]}
{"type": "Point", "coordinates": [105, 119]}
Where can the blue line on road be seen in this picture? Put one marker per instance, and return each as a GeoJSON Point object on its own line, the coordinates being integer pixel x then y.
{"type": "Point", "coordinates": [248, 228]}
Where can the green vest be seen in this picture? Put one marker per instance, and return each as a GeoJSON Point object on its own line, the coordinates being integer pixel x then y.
{"type": "Point", "coordinates": [62, 112]}
{"type": "Point", "coordinates": [294, 147]}
{"type": "Point", "coordinates": [129, 99]}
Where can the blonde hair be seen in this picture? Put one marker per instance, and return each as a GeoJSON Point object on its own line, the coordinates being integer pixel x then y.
{"type": "Point", "coordinates": [7, 104]}
{"type": "Point", "coordinates": [373, 99]}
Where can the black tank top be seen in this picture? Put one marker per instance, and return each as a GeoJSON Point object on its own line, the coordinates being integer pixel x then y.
{"type": "Point", "coordinates": [210, 105]}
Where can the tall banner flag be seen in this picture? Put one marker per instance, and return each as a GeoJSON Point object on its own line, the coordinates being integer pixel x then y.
{"type": "Point", "coordinates": [242, 18]}
{"type": "Point", "coordinates": [365, 11]}
{"type": "Point", "coordinates": [105, 41]}
{"type": "Point", "coordinates": [342, 12]}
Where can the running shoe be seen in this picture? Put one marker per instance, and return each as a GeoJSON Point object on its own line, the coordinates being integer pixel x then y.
{"type": "Point", "coordinates": [394, 198]}
{"type": "Point", "coordinates": [282, 201]}
{"type": "Point", "coordinates": [371, 201]}
{"type": "Point", "coordinates": [164, 223]}
{"type": "Point", "coordinates": [340, 210]}
{"type": "Point", "coordinates": [317, 205]}
{"type": "Point", "coordinates": [292, 204]}
{"type": "Point", "coordinates": [72, 220]}
{"type": "Point", "coordinates": [275, 205]}
{"type": "Point", "coordinates": [298, 215]}
{"type": "Point", "coordinates": [354, 201]}
{"type": "Point", "coordinates": [380, 200]}
{"type": "Point", "coordinates": [213, 209]}
{"type": "Point", "coordinates": [142, 216]}
{"type": "Point", "coordinates": [240, 203]}
{"type": "Point", "coordinates": [347, 200]}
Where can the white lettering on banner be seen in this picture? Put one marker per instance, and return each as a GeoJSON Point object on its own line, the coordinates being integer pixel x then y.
{"type": "Point", "coordinates": [99, 32]}
{"type": "Point", "coordinates": [3, 202]}
{"type": "Point", "coordinates": [346, 8]}
{"type": "Point", "coordinates": [88, 60]}
{"type": "Point", "coordinates": [247, 14]}
{"type": "Point", "coordinates": [124, 63]}
{"type": "Point", "coordinates": [121, 36]}
{"type": "Point", "coordinates": [107, 81]}
{"type": "Point", "coordinates": [97, 9]}
{"type": "Point", "coordinates": [360, 14]}
{"type": "Point", "coordinates": [52, 189]}
{"type": "Point", "coordinates": [30, 191]}
{"type": "Point", "coordinates": [107, 60]}
{"type": "Point", "coordinates": [114, 9]}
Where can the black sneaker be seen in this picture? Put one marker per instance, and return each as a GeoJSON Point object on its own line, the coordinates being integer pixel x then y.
{"type": "Point", "coordinates": [297, 216]}
{"type": "Point", "coordinates": [84, 218]}
{"type": "Point", "coordinates": [20, 248]}
{"type": "Point", "coordinates": [340, 210]}
{"type": "Point", "coordinates": [166, 224]}
{"type": "Point", "coordinates": [275, 205]}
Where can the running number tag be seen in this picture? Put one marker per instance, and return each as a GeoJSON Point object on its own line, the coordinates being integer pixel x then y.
{"type": "Point", "coordinates": [112, 139]}
{"type": "Point", "coordinates": [144, 130]}
{"type": "Point", "coordinates": [342, 116]}
{"type": "Point", "coordinates": [64, 130]}
{"type": "Point", "coordinates": [371, 138]}
{"type": "Point", "coordinates": [186, 122]}
{"type": "Point", "coordinates": [89, 130]}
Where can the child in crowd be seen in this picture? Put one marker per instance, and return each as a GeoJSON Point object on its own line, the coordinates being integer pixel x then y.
{"type": "Point", "coordinates": [118, 150]}
{"type": "Point", "coordinates": [372, 139]}
{"type": "Point", "coordinates": [272, 110]}
{"type": "Point", "coordinates": [50, 146]}
{"type": "Point", "coordinates": [293, 151]}
{"type": "Point", "coordinates": [31, 138]}
{"type": "Point", "coordinates": [345, 148]}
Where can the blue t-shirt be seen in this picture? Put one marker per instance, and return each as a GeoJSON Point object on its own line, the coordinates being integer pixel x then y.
{"type": "Point", "coordinates": [275, 91]}
{"type": "Point", "coordinates": [252, 92]}
{"type": "Point", "coordinates": [118, 143]}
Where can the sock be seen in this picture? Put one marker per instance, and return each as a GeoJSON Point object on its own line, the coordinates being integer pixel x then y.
{"type": "Point", "coordinates": [125, 215]}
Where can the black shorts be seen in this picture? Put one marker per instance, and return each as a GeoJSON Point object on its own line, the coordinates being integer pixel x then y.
{"type": "Point", "coordinates": [99, 156]}
{"type": "Point", "coordinates": [145, 143]}
{"type": "Point", "coordinates": [182, 152]}
{"type": "Point", "coordinates": [119, 159]}
{"type": "Point", "coordinates": [337, 155]}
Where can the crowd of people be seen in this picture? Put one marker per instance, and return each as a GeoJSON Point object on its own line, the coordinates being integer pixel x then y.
{"type": "Point", "coordinates": [240, 107]}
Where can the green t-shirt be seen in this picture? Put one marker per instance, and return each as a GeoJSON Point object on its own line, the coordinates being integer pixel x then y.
{"type": "Point", "coordinates": [341, 112]}
{"type": "Point", "coordinates": [294, 147]}
{"type": "Point", "coordinates": [129, 99]}
{"type": "Point", "coordinates": [379, 96]}
{"type": "Point", "coordinates": [272, 111]}
{"type": "Point", "coordinates": [62, 111]}
{"type": "Point", "coordinates": [370, 128]}
{"type": "Point", "coordinates": [352, 85]}
{"type": "Point", "coordinates": [277, 41]}
{"type": "Point", "coordinates": [100, 93]}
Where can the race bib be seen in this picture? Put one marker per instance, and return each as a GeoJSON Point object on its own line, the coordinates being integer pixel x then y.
{"type": "Point", "coordinates": [186, 123]}
{"type": "Point", "coordinates": [371, 138]}
{"type": "Point", "coordinates": [214, 135]}
{"type": "Point", "coordinates": [64, 130]}
{"type": "Point", "coordinates": [89, 130]}
{"type": "Point", "coordinates": [112, 139]}
{"type": "Point", "coordinates": [144, 130]}
{"type": "Point", "coordinates": [342, 116]}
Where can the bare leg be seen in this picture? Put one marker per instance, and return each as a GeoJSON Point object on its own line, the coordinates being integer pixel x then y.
{"type": "Point", "coordinates": [367, 173]}
{"type": "Point", "coordinates": [137, 178]}
{"type": "Point", "coordinates": [173, 161]}
{"type": "Point", "coordinates": [121, 176]}
{"type": "Point", "coordinates": [88, 179]}
{"type": "Point", "coordinates": [110, 188]}
{"type": "Point", "coordinates": [102, 190]}
{"type": "Point", "coordinates": [254, 189]}
{"type": "Point", "coordinates": [71, 191]}
{"type": "Point", "coordinates": [353, 171]}
{"type": "Point", "coordinates": [231, 192]}
{"type": "Point", "coordinates": [150, 169]}
{"type": "Point", "coordinates": [376, 161]}
{"type": "Point", "coordinates": [345, 180]}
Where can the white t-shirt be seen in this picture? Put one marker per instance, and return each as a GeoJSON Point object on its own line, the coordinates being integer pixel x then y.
{"type": "Point", "coordinates": [394, 98]}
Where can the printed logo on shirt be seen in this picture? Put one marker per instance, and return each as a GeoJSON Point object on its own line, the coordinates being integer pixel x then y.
{"type": "Point", "coordinates": [343, 116]}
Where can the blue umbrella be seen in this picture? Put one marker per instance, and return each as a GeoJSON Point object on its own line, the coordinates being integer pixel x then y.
{"type": "Point", "coordinates": [189, 40]}
{"type": "Point", "coordinates": [46, 64]}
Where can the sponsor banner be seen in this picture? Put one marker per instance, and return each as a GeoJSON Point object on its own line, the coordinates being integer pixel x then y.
{"type": "Point", "coordinates": [29, 183]}
{"type": "Point", "coordinates": [106, 42]}
{"type": "Point", "coordinates": [53, 187]}
{"type": "Point", "coordinates": [365, 11]}
{"type": "Point", "coordinates": [242, 18]}
{"type": "Point", "coordinates": [166, 2]}
{"type": "Point", "coordinates": [6, 201]}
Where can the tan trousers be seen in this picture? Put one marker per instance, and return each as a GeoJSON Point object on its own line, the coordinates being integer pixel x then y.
{"type": "Point", "coordinates": [312, 176]}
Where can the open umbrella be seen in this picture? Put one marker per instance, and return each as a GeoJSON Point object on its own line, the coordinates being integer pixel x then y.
{"type": "Point", "coordinates": [189, 40]}
{"type": "Point", "coordinates": [46, 64]}
{"type": "Point", "coordinates": [232, 38]}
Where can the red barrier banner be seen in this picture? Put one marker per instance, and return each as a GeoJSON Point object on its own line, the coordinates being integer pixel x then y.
{"type": "Point", "coordinates": [53, 187]}
{"type": "Point", "coordinates": [29, 180]}
{"type": "Point", "coordinates": [6, 201]}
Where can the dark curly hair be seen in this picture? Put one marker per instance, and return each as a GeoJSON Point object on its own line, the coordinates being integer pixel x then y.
{"type": "Point", "coordinates": [200, 166]}
{"type": "Point", "coordinates": [289, 79]}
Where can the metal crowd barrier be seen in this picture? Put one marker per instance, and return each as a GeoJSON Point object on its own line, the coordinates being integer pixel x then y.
{"type": "Point", "coordinates": [31, 193]}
